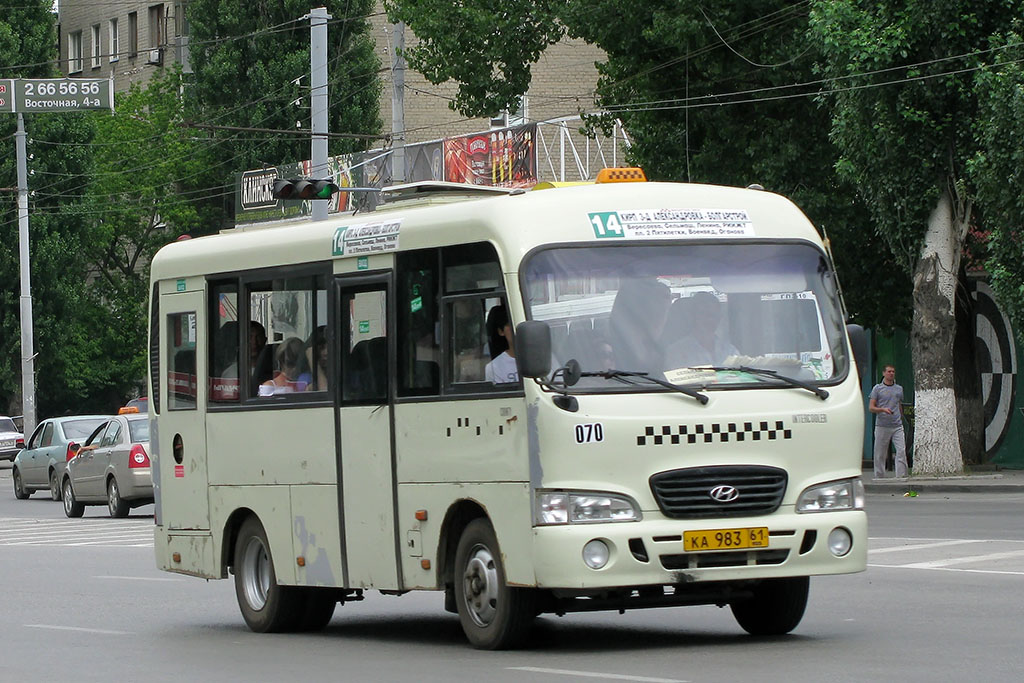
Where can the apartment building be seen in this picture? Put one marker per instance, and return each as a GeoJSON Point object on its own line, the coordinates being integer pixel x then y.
{"type": "Point", "coordinates": [125, 41]}
{"type": "Point", "coordinates": [128, 41]}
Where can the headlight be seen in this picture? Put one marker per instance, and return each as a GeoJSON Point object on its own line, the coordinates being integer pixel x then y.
{"type": "Point", "coordinates": [846, 494]}
{"type": "Point", "coordinates": [580, 507]}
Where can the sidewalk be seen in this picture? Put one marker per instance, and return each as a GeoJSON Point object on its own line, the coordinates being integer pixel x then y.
{"type": "Point", "coordinates": [1002, 481]}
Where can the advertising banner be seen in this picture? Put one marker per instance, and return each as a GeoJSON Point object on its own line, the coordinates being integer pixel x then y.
{"type": "Point", "coordinates": [499, 158]}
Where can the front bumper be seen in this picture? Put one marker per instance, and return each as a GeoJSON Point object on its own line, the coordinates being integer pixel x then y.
{"type": "Point", "coordinates": [798, 546]}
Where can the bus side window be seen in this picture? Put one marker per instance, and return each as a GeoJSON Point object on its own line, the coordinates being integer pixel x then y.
{"type": "Point", "coordinates": [224, 342]}
{"type": "Point", "coordinates": [419, 331]}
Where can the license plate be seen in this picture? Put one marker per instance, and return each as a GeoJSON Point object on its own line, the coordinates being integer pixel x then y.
{"type": "Point", "coordinates": [725, 539]}
{"type": "Point", "coordinates": [6, 444]}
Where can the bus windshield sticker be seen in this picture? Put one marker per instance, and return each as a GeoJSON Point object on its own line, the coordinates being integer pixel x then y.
{"type": "Point", "coordinates": [656, 224]}
{"type": "Point", "coordinates": [589, 433]}
{"type": "Point", "coordinates": [367, 238]}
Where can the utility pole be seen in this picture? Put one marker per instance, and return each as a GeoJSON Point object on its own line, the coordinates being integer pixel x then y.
{"type": "Point", "coordinates": [398, 105]}
{"type": "Point", "coordinates": [318, 101]}
{"type": "Point", "coordinates": [28, 356]}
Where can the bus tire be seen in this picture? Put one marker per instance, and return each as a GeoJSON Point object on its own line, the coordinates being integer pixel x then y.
{"type": "Point", "coordinates": [493, 615]}
{"type": "Point", "coordinates": [776, 607]}
{"type": "Point", "coordinates": [317, 610]}
{"type": "Point", "coordinates": [266, 606]}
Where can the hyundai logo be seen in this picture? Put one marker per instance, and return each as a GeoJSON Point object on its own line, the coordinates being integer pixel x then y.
{"type": "Point", "coordinates": [724, 493]}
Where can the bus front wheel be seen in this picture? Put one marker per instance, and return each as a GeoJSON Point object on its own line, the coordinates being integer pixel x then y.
{"type": "Point", "coordinates": [494, 616]}
{"type": "Point", "coordinates": [776, 607]}
{"type": "Point", "coordinates": [266, 606]}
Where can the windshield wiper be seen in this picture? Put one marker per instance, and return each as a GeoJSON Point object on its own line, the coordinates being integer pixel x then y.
{"type": "Point", "coordinates": [773, 374]}
{"type": "Point", "coordinates": [622, 374]}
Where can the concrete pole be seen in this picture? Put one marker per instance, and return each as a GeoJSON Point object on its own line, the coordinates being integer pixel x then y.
{"type": "Point", "coordinates": [318, 101]}
{"type": "Point", "coordinates": [398, 174]}
{"type": "Point", "coordinates": [28, 356]}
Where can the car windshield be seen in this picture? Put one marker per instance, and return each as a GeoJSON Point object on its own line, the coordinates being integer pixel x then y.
{"type": "Point", "coordinates": [139, 430]}
{"type": "Point", "coordinates": [695, 314]}
{"type": "Point", "coordinates": [80, 429]}
{"type": "Point", "coordinates": [7, 425]}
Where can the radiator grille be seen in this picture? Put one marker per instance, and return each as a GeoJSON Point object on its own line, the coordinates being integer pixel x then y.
{"type": "Point", "coordinates": [686, 493]}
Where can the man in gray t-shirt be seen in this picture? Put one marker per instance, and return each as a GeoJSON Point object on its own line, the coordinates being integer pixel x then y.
{"type": "Point", "coordinates": [884, 402]}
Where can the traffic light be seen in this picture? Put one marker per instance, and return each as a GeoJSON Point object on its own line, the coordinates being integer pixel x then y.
{"type": "Point", "coordinates": [304, 188]}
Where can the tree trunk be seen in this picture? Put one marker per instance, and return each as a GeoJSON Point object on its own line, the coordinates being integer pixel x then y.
{"type": "Point", "coordinates": [970, 414]}
{"type": "Point", "coordinates": [936, 437]}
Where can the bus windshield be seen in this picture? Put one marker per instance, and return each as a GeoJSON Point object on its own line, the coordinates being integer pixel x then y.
{"type": "Point", "coordinates": [710, 314]}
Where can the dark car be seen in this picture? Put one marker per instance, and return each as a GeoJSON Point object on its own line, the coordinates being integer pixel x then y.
{"type": "Point", "coordinates": [54, 442]}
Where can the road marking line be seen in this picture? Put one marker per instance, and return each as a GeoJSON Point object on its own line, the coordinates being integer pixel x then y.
{"type": "Point", "coordinates": [593, 674]}
{"type": "Point", "coordinates": [77, 628]}
{"type": "Point", "coordinates": [964, 560]}
{"type": "Point", "coordinates": [947, 569]}
{"type": "Point", "coordinates": [919, 546]}
{"type": "Point", "coordinates": [138, 578]}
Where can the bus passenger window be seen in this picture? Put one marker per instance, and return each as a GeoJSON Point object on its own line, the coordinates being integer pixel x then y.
{"type": "Point", "coordinates": [224, 343]}
{"type": "Point", "coordinates": [285, 337]}
{"type": "Point", "coordinates": [419, 330]}
{"type": "Point", "coordinates": [366, 366]}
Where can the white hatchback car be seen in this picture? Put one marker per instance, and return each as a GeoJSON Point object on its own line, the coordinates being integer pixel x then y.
{"type": "Point", "coordinates": [112, 467]}
{"type": "Point", "coordinates": [11, 439]}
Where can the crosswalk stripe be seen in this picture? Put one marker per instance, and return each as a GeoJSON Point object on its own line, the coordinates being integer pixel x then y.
{"type": "Point", "coordinates": [77, 533]}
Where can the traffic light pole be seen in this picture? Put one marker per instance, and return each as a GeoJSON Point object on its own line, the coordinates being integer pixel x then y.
{"type": "Point", "coordinates": [318, 101]}
{"type": "Point", "coordinates": [28, 356]}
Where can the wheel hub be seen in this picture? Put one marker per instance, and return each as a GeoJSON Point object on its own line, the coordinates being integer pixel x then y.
{"type": "Point", "coordinates": [255, 574]}
{"type": "Point", "coordinates": [481, 586]}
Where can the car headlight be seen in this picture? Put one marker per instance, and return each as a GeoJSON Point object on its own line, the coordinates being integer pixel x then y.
{"type": "Point", "coordinates": [582, 507]}
{"type": "Point", "coordinates": [846, 494]}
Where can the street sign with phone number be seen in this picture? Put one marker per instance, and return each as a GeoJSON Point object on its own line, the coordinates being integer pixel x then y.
{"type": "Point", "coordinates": [55, 94]}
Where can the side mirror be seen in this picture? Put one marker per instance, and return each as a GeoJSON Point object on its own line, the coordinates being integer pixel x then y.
{"type": "Point", "coordinates": [859, 344]}
{"type": "Point", "coordinates": [533, 349]}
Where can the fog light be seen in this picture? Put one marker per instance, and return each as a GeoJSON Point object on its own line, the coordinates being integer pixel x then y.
{"type": "Point", "coordinates": [595, 554]}
{"type": "Point", "coordinates": [839, 541]}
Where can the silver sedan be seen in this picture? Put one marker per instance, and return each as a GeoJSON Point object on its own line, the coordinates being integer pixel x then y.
{"type": "Point", "coordinates": [112, 468]}
{"type": "Point", "coordinates": [53, 443]}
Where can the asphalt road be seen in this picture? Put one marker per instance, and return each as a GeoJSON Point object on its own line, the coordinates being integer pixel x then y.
{"type": "Point", "coordinates": [941, 601]}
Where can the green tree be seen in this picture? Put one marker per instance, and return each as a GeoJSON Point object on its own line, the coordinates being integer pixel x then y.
{"type": "Point", "coordinates": [707, 95]}
{"type": "Point", "coordinates": [905, 116]}
{"type": "Point", "coordinates": [251, 64]}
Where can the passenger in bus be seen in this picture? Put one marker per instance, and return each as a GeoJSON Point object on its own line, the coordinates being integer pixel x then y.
{"type": "Point", "coordinates": [260, 356]}
{"type": "Point", "coordinates": [635, 325]}
{"type": "Point", "coordinates": [703, 343]}
{"type": "Point", "coordinates": [316, 358]}
{"type": "Point", "coordinates": [502, 369]}
{"type": "Point", "coordinates": [290, 376]}
{"type": "Point", "coordinates": [226, 350]}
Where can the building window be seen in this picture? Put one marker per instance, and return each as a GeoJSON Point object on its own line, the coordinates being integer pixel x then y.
{"type": "Point", "coordinates": [156, 26]}
{"type": "Point", "coordinates": [133, 34]}
{"type": "Point", "coordinates": [113, 44]}
{"type": "Point", "coordinates": [74, 52]}
{"type": "Point", "coordinates": [95, 46]}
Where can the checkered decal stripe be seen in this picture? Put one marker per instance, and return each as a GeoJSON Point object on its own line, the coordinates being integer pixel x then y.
{"type": "Point", "coordinates": [716, 432]}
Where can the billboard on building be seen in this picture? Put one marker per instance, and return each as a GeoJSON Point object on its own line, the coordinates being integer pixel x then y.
{"type": "Point", "coordinates": [501, 158]}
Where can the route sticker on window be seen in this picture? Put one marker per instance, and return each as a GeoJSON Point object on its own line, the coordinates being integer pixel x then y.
{"type": "Point", "coordinates": [657, 224]}
{"type": "Point", "coordinates": [367, 238]}
{"type": "Point", "coordinates": [589, 433]}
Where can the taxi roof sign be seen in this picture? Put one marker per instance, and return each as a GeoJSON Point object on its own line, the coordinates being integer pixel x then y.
{"type": "Point", "coordinates": [621, 175]}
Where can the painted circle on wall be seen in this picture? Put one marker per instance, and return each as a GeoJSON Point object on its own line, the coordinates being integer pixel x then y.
{"type": "Point", "coordinates": [997, 364]}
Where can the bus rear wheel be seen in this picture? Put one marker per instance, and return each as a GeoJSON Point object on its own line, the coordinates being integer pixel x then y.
{"type": "Point", "coordinates": [266, 606]}
{"type": "Point", "coordinates": [776, 608]}
{"type": "Point", "coordinates": [494, 616]}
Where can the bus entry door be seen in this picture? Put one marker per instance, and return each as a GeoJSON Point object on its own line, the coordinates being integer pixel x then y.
{"type": "Point", "coordinates": [181, 433]}
{"type": "Point", "coordinates": [366, 463]}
